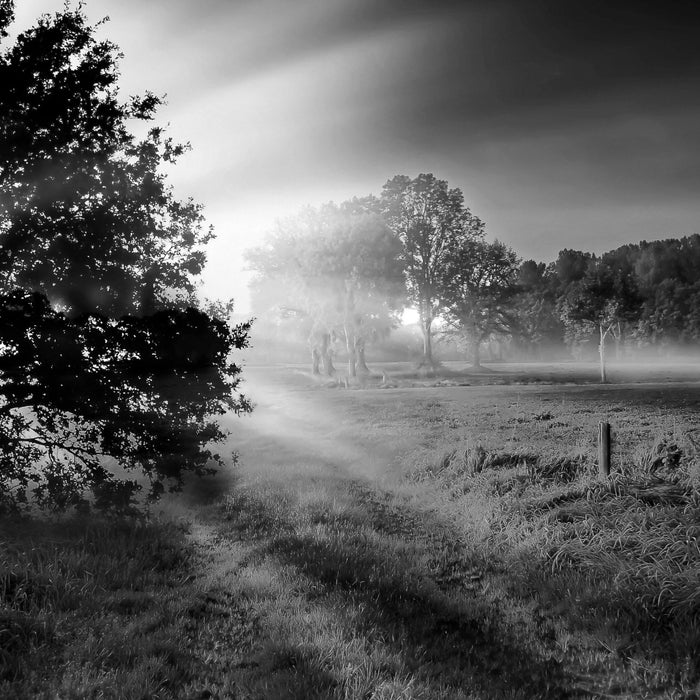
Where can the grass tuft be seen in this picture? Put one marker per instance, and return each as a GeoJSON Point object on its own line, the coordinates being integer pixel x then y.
{"type": "Point", "coordinates": [621, 554]}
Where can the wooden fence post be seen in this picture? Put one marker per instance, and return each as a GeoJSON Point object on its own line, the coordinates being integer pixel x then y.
{"type": "Point", "coordinates": [604, 449]}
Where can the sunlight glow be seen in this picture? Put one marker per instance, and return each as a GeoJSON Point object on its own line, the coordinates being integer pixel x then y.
{"type": "Point", "coordinates": [409, 317]}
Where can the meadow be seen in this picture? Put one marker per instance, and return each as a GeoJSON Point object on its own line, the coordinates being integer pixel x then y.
{"type": "Point", "coordinates": [408, 537]}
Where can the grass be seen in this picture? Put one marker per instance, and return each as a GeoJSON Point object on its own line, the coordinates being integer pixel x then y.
{"type": "Point", "coordinates": [110, 609]}
{"type": "Point", "coordinates": [388, 375]}
{"type": "Point", "coordinates": [618, 562]}
{"type": "Point", "coordinates": [440, 542]}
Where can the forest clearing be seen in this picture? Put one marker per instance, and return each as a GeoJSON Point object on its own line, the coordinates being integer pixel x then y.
{"type": "Point", "coordinates": [429, 542]}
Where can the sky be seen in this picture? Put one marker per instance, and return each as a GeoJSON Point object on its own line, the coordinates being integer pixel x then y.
{"type": "Point", "coordinates": [566, 124]}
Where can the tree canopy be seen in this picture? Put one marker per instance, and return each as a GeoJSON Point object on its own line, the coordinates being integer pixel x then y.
{"type": "Point", "coordinates": [480, 282]}
{"type": "Point", "coordinates": [6, 16]}
{"type": "Point", "coordinates": [338, 269]}
{"type": "Point", "coordinates": [535, 324]}
{"type": "Point", "coordinates": [604, 299]}
{"type": "Point", "coordinates": [80, 394]}
{"type": "Point", "coordinates": [109, 383]}
{"type": "Point", "coordinates": [638, 295]}
{"type": "Point", "coordinates": [86, 215]}
{"type": "Point", "coordinates": [431, 222]}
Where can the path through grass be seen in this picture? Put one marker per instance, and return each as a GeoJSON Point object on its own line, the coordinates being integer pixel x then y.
{"type": "Point", "coordinates": [425, 543]}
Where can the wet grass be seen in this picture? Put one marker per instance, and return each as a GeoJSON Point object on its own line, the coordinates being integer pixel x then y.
{"type": "Point", "coordinates": [112, 609]}
{"type": "Point", "coordinates": [444, 542]}
{"type": "Point", "coordinates": [613, 563]}
{"type": "Point", "coordinates": [388, 375]}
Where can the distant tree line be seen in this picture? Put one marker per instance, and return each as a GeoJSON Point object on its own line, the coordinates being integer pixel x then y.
{"type": "Point", "coordinates": [638, 296]}
{"type": "Point", "coordinates": [343, 274]}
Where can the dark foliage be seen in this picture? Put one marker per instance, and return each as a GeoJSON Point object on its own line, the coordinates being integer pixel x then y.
{"type": "Point", "coordinates": [645, 294]}
{"type": "Point", "coordinates": [86, 397]}
{"type": "Point", "coordinates": [432, 223]}
{"type": "Point", "coordinates": [86, 215]}
{"type": "Point", "coordinates": [6, 15]}
{"type": "Point", "coordinates": [533, 317]}
{"type": "Point", "coordinates": [481, 281]}
{"type": "Point", "coordinates": [109, 381]}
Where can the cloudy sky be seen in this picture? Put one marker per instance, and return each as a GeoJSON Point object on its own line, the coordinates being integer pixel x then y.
{"type": "Point", "coordinates": [565, 123]}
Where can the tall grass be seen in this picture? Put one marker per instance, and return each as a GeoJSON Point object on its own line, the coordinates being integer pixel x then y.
{"type": "Point", "coordinates": [617, 558]}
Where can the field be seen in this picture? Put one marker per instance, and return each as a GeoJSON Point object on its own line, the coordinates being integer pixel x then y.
{"type": "Point", "coordinates": [413, 537]}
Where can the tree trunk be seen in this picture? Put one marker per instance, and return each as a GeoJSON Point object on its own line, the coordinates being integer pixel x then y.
{"type": "Point", "coordinates": [476, 354]}
{"type": "Point", "coordinates": [426, 330]}
{"type": "Point", "coordinates": [148, 293]}
{"type": "Point", "coordinates": [617, 336]}
{"type": "Point", "coordinates": [361, 361]}
{"type": "Point", "coordinates": [352, 363]}
{"type": "Point", "coordinates": [351, 345]}
{"type": "Point", "coordinates": [349, 327]}
{"type": "Point", "coordinates": [499, 349]}
{"type": "Point", "coordinates": [328, 368]}
{"type": "Point", "coordinates": [315, 361]}
{"type": "Point", "coordinates": [601, 350]}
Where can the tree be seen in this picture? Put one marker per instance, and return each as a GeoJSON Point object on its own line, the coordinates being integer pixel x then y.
{"type": "Point", "coordinates": [86, 215]}
{"type": "Point", "coordinates": [571, 266]}
{"type": "Point", "coordinates": [77, 394]}
{"type": "Point", "coordinates": [671, 259]}
{"type": "Point", "coordinates": [89, 227]}
{"type": "Point", "coordinates": [218, 308]}
{"type": "Point", "coordinates": [603, 299]}
{"type": "Point", "coordinates": [338, 268]}
{"type": "Point", "coordinates": [432, 222]}
{"type": "Point", "coordinates": [670, 314]}
{"type": "Point", "coordinates": [289, 285]}
{"type": "Point", "coordinates": [480, 282]}
{"type": "Point", "coordinates": [647, 292]}
{"type": "Point", "coordinates": [533, 317]}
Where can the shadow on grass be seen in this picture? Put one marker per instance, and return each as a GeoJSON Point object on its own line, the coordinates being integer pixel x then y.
{"type": "Point", "coordinates": [484, 375]}
{"type": "Point", "coordinates": [92, 593]}
{"type": "Point", "coordinates": [206, 490]}
{"type": "Point", "coordinates": [622, 565]}
{"type": "Point", "coordinates": [408, 574]}
{"type": "Point", "coordinates": [444, 372]}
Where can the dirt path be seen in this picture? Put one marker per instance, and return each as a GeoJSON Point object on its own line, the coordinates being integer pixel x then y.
{"type": "Point", "coordinates": [344, 581]}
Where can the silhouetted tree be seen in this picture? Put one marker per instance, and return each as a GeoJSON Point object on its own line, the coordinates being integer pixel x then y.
{"type": "Point", "coordinates": [432, 223]}
{"type": "Point", "coordinates": [604, 299]}
{"type": "Point", "coordinates": [79, 394]}
{"type": "Point", "coordinates": [658, 261]}
{"type": "Point", "coordinates": [570, 267]}
{"type": "Point", "coordinates": [670, 314]}
{"type": "Point", "coordinates": [88, 226]}
{"type": "Point", "coordinates": [480, 283]}
{"type": "Point", "coordinates": [665, 277]}
{"type": "Point", "coordinates": [533, 318]}
{"type": "Point", "coordinates": [86, 215]}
